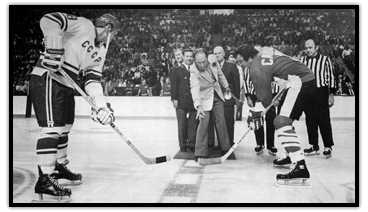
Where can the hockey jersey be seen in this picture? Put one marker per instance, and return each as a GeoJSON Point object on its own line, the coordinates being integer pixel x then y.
{"type": "Point", "coordinates": [81, 51]}
{"type": "Point", "coordinates": [269, 64]}
{"type": "Point", "coordinates": [249, 88]}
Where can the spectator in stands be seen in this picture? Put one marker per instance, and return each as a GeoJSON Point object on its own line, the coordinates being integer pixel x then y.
{"type": "Point", "coordinates": [114, 82]}
{"type": "Point", "coordinates": [144, 60]}
{"type": "Point", "coordinates": [346, 56]}
{"type": "Point", "coordinates": [121, 83]}
{"type": "Point", "coordinates": [340, 70]}
{"type": "Point", "coordinates": [109, 89]}
{"type": "Point", "coordinates": [145, 33]}
{"type": "Point", "coordinates": [143, 89]}
{"type": "Point", "coordinates": [346, 84]}
{"type": "Point", "coordinates": [22, 88]}
{"type": "Point", "coordinates": [166, 87]}
{"type": "Point", "coordinates": [158, 89]}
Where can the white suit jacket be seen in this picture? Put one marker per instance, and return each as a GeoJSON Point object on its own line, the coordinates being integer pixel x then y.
{"type": "Point", "coordinates": [203, 86]}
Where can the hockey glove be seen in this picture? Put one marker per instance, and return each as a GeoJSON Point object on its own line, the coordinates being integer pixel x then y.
{"type": "Point", "coordinates": [255, 119]}
{"type": "Point", "coordinates": [104, 115]}
{"type": "Point", "coordinates": [54, 52]}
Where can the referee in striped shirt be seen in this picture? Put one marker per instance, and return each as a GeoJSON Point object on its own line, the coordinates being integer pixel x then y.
{"type": "Point", "coordinates": [270, 116]}
{"type": "Point", "coordinates": [318, 114]}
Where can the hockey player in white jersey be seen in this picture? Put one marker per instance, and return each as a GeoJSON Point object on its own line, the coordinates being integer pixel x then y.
{"type": "Point", "coordinates": [73, 44]}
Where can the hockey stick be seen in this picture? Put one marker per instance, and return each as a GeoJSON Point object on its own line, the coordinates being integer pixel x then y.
{"type": "Point", "coordinates": [212, 161]}
{"type": "Point", "coordinates": [148, 161]}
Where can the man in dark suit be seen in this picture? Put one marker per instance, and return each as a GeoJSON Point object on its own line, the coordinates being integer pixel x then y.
{"type": "Point", "coordinates": [178, 53]}
{"type": "Point", "coordinates": [231, 73]}
{"type": "Point", "coordinates": [183, 102]}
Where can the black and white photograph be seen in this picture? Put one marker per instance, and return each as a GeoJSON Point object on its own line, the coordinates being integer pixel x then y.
{"type": "Point", "coordinates": [184, 104]}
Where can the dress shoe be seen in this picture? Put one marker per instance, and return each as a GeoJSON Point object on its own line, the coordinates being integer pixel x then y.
{"type": "Point", "coordinates": [196, 158]}
{"type": "Point", "coordinates": [191, 148]}
{"type": "Point", "coordinates": [182, 149]}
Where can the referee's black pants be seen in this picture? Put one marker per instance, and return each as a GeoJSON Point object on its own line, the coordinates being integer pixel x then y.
{"type": "Point", "coordinates": [270, 127]}
{"type": "Point", "coordinates": [318, 116]}
{"type": "Point", "coordinates": [270, 130]}
{"type": "Point", "coordinates": [230, 121]}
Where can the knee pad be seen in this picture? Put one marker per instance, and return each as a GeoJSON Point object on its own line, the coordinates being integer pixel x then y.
{"type": "Point", "coordinates": [282, 121]}
{"type": "Point", "coordinates": [66, 129]}
{"type": "Point", "coordinates": [51, 132]}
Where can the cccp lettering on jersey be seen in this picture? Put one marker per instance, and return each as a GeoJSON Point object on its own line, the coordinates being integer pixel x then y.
{"type": "Point", "coordinates": [85, 44]}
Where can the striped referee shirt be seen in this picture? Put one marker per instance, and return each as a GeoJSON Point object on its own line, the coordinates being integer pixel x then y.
{"type": "Point", "coordinates": [249, 88]}
{"type": "Point", "coordinates": [322, 68]}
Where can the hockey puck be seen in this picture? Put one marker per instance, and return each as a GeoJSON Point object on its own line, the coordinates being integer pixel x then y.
{"type": "Point", "coordinates": [227, 96]}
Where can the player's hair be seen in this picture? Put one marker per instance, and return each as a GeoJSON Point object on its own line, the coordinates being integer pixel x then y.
{"type": "Point", "coordinates": [246, 51]}
{"type": "Point", "coordinates": [228, 54]}
{"type": "Point", "coordinates": [108, 19]}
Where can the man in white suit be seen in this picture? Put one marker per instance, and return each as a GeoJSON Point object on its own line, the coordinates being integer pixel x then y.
{"type": "Point", "coordinates": [206, 80]}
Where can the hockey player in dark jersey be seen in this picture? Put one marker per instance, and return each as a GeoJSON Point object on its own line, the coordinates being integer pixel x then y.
{"type": "Point", "coordinates": [265, 66]}
{"type": "Point", "coordinates": [73, 44]}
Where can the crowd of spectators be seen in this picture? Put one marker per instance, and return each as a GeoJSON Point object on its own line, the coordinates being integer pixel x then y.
{"type": "Point", "coordinates": [143, 48]}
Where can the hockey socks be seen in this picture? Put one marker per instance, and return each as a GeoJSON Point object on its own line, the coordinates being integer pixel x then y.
{"type": "Point", "coordinates": [46, 153]}
{"type": "Point", "coordinates": [62, 148]}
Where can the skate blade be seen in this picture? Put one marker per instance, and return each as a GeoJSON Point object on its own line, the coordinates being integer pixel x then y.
{"type": "Point", "coordinates": [311, 154]}
{"type": "Point", "coordinates": [294, 183]}
{"type": "Point", "coordinates": [44, 198]}
{"type": "Point", "coordinates": [282, 166]}
{"type": "Point", "coordinates": [328, 156]}
{"type": "Point", "coordinates": [260, 152]}
{"type": "Point", "coordinates": [271, 153]}
{"type": "Point", "coordinates": [65, 182]}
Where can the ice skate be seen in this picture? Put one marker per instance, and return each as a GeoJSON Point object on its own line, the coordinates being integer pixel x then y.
{"type": "Point", "coordinates": [296, 177]}
{"type": "Point", "coordinates": [282, 162]}
{"type": "Point", "coordinates": [48, 185]}
{"type": "Point", "coordinates": [272, 151]}
{"type": "Point", "coordinates": [65, 176]}
{"type": "Point", "coordinates": [259, 149]}
{"type": "Point", "coordinates": [313, 150]}
{"type": "Point", "coordinates": [327, 152]}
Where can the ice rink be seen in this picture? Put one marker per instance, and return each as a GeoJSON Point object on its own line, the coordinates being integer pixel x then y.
{"type": "Point", "coordinates": [113, 173]}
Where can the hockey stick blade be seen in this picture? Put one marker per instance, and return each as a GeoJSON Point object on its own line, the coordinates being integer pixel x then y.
{"type": "Point", "coordinates": [209, 161]}
{"type": "Point", "coordinates": [213, 161]}
{"type": "Point", "coordinates": [157, 160]}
